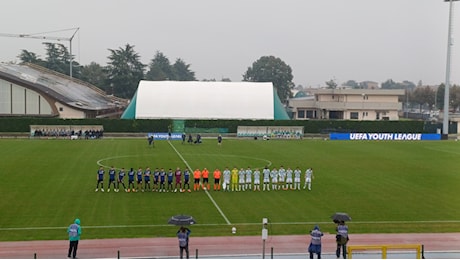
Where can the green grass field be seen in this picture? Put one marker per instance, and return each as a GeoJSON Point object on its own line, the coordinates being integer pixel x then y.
{"type": "Point", "coordinates": [386, 187]}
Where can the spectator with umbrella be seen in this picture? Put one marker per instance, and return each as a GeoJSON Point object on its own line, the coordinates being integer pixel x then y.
{"type": "Point", "coordinates": [183, 233]}
{"type": "Point", "coordinates": [342, 233]}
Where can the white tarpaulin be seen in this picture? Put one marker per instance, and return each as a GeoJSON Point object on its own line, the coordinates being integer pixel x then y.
{"type": "Point", "coordinates": [204, 100]}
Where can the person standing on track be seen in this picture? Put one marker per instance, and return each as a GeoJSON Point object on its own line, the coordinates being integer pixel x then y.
{"type": "Point", "coordinates": [183, 236]}
{"type": "Point", "coordinates": [74, 231]}
{"type": "Point", "coordinates": [342, 239]}
{"type": "Point", "coordinates": [315, 244]}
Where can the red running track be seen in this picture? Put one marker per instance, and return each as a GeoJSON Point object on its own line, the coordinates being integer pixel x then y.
{"type": "Point", "coordinates": [215, 246]}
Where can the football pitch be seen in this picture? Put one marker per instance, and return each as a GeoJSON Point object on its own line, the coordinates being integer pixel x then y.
{"type": "Point", "coordinates": [386, 187]}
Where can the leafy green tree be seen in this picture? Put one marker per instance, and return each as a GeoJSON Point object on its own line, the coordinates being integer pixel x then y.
{"type": "Point", "coordinates": [58, 59]}
{"type": "Point", "coordinates": [454, 97]}
{"type": "Point", "coordinates": [30, 57]}
{"type": "Point", "coordinates": [160, 68]}
{"type": "Point", "coordinates": [95, 74]}
{"type": "Point", "coordinates": [272, 69]}
{"type": "Point", "coordinates": [226, 80]}
{"type": "Point", "coordinates": [182, 71]}
{"type": "Point", "coordinates": [351, 83]}
{"type": "Point", "coordinates": [53, 59]}
{"type": "Point", "coordinates": [390, 84]}
{"type": "Point", "coordinates": [423, 96]}
{"type": "Point", "coordinates": [124, 71]}
{"type": "Point", "coordinates": [440, 96]}
{"type": "Point", "coordinates": [331, 84]}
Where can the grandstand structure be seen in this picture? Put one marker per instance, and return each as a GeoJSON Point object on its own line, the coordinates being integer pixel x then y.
{"type": "Point", "coordinates": [31, 90]}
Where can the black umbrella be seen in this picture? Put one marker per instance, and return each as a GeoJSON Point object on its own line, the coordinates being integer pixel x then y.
{"type": "Point", "coordinates": [181, 220]}
{"type": "Point", "coordinates": [340, 216]}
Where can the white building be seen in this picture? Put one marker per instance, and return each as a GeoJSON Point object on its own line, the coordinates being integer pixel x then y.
{"type": "Point", "coordinates": [348, 104]}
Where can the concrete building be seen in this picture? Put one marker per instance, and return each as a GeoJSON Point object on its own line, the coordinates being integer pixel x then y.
{"type": "Point", "coordinates": [348, 104]}
{"type": "Point", "coordinates": [31, 90]}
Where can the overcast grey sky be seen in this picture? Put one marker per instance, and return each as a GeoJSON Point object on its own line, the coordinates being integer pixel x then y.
{"type": "Point", "coordinates": [319, 39]}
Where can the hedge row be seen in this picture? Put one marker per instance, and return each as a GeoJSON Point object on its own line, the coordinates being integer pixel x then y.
{"type": "Point", "coordinates": [144, 126]}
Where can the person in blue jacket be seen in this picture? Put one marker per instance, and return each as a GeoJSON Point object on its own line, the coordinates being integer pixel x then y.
{"type": "Point", "coordinates": [315, 244]}
{"type": "Point", "coordinates": [182, 234]}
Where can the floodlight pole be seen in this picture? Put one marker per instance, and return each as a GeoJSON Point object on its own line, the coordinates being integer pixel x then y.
{"type": "Point", "coordinates": [445, 121]}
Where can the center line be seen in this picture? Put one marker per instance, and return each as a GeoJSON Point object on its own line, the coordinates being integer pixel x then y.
{"type": "Point", "coordinates": [206, 191]}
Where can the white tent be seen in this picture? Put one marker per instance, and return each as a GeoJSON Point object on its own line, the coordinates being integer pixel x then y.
{"type": "Point", "coordinates": [203, 100]}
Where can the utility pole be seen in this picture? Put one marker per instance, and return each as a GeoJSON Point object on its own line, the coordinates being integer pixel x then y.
{"type": "Point", "coordinates": [41, 36]}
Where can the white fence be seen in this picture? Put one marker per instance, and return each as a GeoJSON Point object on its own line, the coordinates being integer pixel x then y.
{"type": "Point", "coordinates": [279, 132]}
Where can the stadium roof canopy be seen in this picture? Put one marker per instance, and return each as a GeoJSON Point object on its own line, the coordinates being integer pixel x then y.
{"type": "Point", "coordinates": [72, 92]}
{"type": "Point", "coordinates": [205, 100]}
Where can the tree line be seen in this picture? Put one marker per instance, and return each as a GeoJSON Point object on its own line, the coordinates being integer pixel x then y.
{"type": "Point", "coordinates": [123, 71]}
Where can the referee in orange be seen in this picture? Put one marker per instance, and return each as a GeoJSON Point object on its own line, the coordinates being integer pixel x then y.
{"type": "Point", "coordinates": [196, 177]}
{"type": "Point", "coordinates": [217, 175]}
{"type": "Point", "coordinates": [205, 175]}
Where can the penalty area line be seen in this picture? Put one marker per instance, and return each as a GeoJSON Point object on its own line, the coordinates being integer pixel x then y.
{"type": "Point", "coordinates": [207, 193]}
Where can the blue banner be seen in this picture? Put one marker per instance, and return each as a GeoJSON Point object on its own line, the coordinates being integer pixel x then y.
{"type": "Point", "coordinates": [165, 136]}
{"type": "Point", "coordinates": [384, 136]}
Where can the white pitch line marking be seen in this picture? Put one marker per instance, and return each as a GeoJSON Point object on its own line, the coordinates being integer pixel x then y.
{"type": "Point", "coordinates": [238, 224]}
{"type": "Point", "coordinates": [207, 193]}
